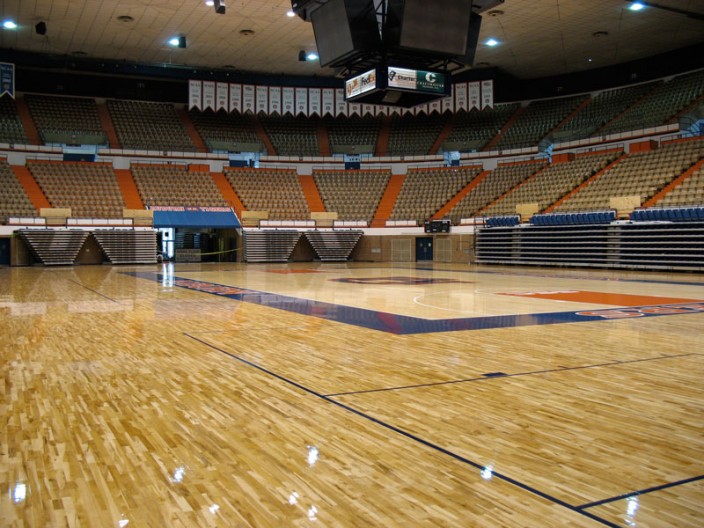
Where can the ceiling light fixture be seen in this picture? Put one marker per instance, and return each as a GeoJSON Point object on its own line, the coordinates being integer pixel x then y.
{"type": "Point", "coordinates": [178, 42]}
{"type": "Point", "coordinates": [307, 56]}
{"type": "Point", "coordinates": [636, 6]}
{"type": "Point", "coordinates": [9, 24]}
{"type": "Point", "coordinates": [491, 42]}
{"type": "Point", "coordinates": [290, 13]}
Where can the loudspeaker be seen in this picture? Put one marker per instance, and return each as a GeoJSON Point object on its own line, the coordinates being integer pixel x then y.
{"type": "Point", "coordinates": [40, 28]}
{"type": "Point", "coordinates": [182, 42]}
{"type": "Point", "coordinates": [439, 27]}
{"type": "Point", "coordinates": [219, 7]}
{"type": "Point", "coordinates": [343, 28]}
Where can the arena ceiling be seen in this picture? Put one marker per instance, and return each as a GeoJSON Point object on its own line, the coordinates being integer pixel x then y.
{"type": "Point", "coordinates": [537, 38]}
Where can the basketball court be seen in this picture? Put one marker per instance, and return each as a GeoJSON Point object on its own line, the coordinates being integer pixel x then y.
{"type": "Point", "coordinates": [351, 395]}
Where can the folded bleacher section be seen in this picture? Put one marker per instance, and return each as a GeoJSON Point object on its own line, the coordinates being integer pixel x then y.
{"type": "Point", "coordinates": [270, 245]}
{"type": "Point", "coordinates": [663, 238]}
{"type": "Point", "coordinates": [333, 246]}
{"type": "Point", "coordinates": [54, 247]}
{"type": "Point", "coordinates": [127, 246]}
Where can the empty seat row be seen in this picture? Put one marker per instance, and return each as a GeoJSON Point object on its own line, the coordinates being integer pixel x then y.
{"type": "Point", "coordinates": [669, 214]}
{"type": "Point", "coordinates": [587, 217]}
{"type": "Point", "coordinates": [503, 221]}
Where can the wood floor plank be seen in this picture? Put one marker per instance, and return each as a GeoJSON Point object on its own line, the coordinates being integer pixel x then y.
{"type": "Point", "coordinates": [132, 402]}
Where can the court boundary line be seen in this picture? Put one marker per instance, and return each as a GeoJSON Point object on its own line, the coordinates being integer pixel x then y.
{"type": "Point", "coordinates": [516, 374]}
{"type": "Point", "coordinates": [643, 491]}
{"type": "Point", "coordinates": [411, 436]}
{"type": "Point", "coordinates": [94, 291]}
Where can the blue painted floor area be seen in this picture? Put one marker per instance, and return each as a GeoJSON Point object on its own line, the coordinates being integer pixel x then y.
{"type": "Point", "coordinates": [401, 324]}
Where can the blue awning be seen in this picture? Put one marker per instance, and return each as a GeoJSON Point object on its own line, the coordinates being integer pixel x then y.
{"type": "Point", "coordinates": [195, 217]}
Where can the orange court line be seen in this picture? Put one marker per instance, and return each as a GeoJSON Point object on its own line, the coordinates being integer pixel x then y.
{"type": "Point", "coordinates": [613, 299]}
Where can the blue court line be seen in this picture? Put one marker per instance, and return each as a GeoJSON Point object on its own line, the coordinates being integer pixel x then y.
{"type": "Point", "coordinates": [403, 324]}
{"type": "Point", "coordinates": [640, 492]}
{"type": "Point", "coordinates": [504, 376]}
{"type": "Point", "coordinates": [410, 436]}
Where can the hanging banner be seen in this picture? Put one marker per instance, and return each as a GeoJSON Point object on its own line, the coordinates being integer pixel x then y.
{"type": "Point", "coordinates": [222, 101]}
{"type": "Point", "coordinates": [487, 94]}
{"type": "Point", "coordinates": [314, 101]}
{"type": "Point", "coordinates": [460, 93]}
{"type": "Point", "coordinates": [195, 93]}
{"type": "Point", "coordinates": [328, 101]}
{"type": "Point", "coordinates": [473, 94]}
{"type": "Point", "coordinates": [382, 110]}
{"type": "Point", "coordinates": [422, 109]}
{"type": "Point", "coordinates": [288, 100]}
{"type": "Point", "coordinates": [434, 106]}
{"type": "Point", "coordinates": [236, 98]}
{"type": "Point", "coordinates": [262, 99]}
{"type": "Point", "coordinates": [7, 79]}
{"type": "Point", "coordinates": [274, 100]}
{"type": "Point", "coordinates": [354, 108]}
{"type": "Point", "coordinates": [248, 98]}
{"type": "Point", "coordinates": [302, 101]}
{"type": "Point", "coordinates": [447, 104]}
{"type": "Point", "coordinates": [340, 103]}
{"type": "Point", "coordinates": [208, 95]}
{"type": "Point", "coordinates": [368, 109]}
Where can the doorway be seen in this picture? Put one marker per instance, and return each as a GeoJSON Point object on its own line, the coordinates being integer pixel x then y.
{"type": "Point", "coordinates": [424, 248]}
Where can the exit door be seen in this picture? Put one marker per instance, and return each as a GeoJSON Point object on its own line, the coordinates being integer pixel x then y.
{"type": "Point", "coordinates": [424, 248]}
{"type": "Point", "coordinates": [4, 251]}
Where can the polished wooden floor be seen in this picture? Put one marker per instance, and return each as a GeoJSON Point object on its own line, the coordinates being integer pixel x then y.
{"type": "Point", "coordinates": [350, 395]}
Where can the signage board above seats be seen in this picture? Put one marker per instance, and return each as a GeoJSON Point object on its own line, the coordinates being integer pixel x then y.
{"type": "Point", "coordinates": [397, 86]}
